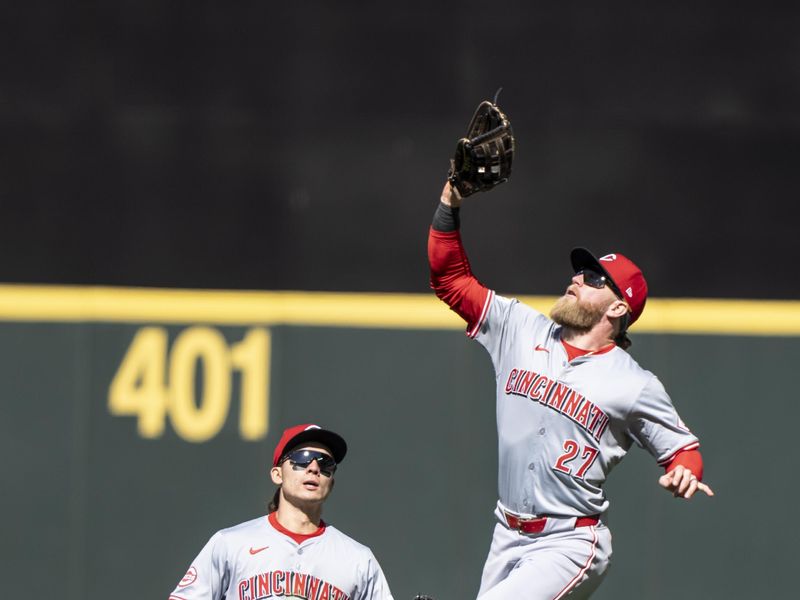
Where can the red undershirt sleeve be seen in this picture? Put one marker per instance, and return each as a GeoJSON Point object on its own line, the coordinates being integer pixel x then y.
{"type": "Point", "coordinates": [689, 459]}
{"type": "Point", "coordinates": [451, 277]}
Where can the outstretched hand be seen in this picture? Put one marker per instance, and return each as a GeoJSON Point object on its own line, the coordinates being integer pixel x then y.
{"type": "Point", "coordinates": [683, 483]}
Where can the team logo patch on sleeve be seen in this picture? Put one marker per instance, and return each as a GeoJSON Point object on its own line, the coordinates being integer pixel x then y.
{"type": "Point", "coordinates": [189, 578]}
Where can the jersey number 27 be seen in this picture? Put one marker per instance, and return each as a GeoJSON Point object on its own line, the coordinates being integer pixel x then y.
{"type": "Point", "coordinates": [571, 451]}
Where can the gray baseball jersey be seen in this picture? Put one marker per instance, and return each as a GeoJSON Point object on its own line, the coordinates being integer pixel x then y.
{"type": "Point", "coordinates": [563, 425]}
{"type": "Point", "coordinates": [255, 560]}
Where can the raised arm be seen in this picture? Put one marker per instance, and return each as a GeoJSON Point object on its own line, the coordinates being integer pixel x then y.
{"type": "Point", "coordinates": [451, 277]}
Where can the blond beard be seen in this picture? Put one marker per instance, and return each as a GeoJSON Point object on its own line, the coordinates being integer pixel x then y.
{"type": "Point", "coordinates": [575, 314]}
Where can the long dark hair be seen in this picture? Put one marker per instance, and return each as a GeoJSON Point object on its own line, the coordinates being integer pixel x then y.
{"type": "Point", "coordinates": [621, 339]}
{"type": "Point", "coordinates": [276, 500]}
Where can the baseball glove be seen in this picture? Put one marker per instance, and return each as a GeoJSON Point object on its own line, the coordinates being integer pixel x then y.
{"type": "Point", "coordinates": [483, 158]}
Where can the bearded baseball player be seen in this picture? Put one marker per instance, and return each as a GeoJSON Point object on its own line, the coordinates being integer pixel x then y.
{"type": "Point", "coordinates": [291, 552]}
{"type": "Point", "coordinates": [570, 400]}
{"type": "Point", "coordinates": [570, 403]}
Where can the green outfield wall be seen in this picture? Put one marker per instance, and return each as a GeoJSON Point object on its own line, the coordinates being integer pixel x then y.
{"type": "Point", "coordinates": [136, 422]}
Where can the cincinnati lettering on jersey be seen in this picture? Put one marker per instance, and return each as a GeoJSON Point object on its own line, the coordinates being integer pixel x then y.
{"type": "Point", "coordinates": [559, 397]}
{"type": "Point", "coordinates": [288, 584]}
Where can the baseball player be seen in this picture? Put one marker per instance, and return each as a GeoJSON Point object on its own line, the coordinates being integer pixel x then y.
{"type": "Point", "coordinates": [570, 403]}
{"type": "Point", "coordinates": [291, 552]}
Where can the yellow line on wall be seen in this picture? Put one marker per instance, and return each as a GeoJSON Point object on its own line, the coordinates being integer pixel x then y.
{"type": "Point", "coordinates": [375, 310]}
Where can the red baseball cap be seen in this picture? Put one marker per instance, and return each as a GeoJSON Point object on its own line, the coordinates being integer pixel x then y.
{"type": "Point", "coordinates": [627, 279]}
{"type": "Point", "coordinates": [308, 432]}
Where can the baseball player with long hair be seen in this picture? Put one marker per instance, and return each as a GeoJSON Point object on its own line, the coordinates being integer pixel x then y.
{"type": "Point", "coordinates": [291, 552]}
{"type": "Point", "coordinates": [570, 404]}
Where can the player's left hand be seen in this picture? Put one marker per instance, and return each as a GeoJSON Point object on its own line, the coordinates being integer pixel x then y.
{"type": "Point", "coordinates": [450, 195]}
{"type": "Point", "coordinates": [683, 483]}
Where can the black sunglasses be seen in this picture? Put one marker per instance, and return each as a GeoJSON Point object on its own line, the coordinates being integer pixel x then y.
{"type": "Point", "coordinates": [300, 460]}
{"type": "Point", "coordinates": [597, 280]}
